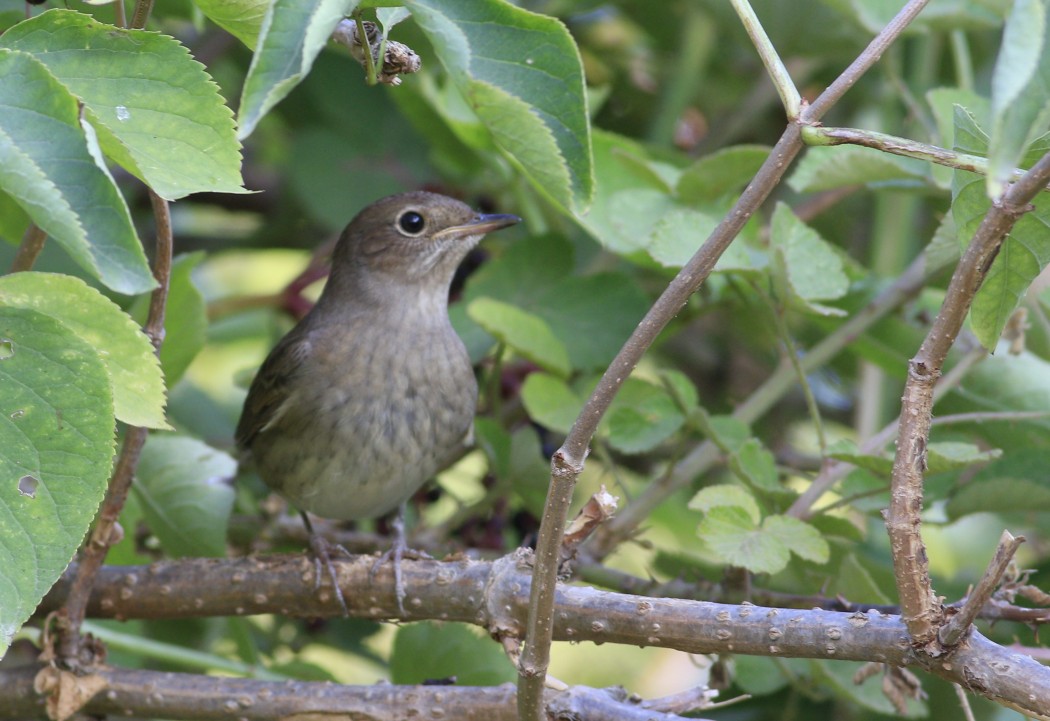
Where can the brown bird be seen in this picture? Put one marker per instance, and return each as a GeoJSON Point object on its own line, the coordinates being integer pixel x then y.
{"type": "Point", "coordinates": [372, 392]}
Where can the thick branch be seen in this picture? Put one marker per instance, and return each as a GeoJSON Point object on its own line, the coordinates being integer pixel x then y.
{"type": "Point", "coordinates": [919, 605]}
{"type": "Point", "coordinates": [495, 596]}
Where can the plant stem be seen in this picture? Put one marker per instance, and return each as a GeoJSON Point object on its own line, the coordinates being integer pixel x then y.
{"type": "Point", "coordinates": [789, 94]}
{"type": "Point", "coordinates": [29, 249]}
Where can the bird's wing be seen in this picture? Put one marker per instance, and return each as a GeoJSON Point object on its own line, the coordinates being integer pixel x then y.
{"type": "Point", "coordinates": [272, 388]}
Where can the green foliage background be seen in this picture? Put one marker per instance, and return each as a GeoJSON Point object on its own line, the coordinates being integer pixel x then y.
{"type": "Point", "coordinates": [621, 133]}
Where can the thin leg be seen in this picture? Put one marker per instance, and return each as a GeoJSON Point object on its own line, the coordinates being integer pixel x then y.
{"type": "Point", "coordinates": [322, 555]}
{"type": "Point", "coordinates": [396, 553]}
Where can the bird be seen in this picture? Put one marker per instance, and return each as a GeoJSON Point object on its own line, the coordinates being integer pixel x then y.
{"type": "Point", "coordinates": [372, 392]}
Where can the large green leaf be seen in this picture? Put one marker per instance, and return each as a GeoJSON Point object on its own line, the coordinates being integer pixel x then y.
{"type": "Point", "coordinates": [1025, 251]}
{"type": "Point", "coordinates": [521, 73]}
{"type": "Point", "coordinates": [240, 18]}
{"type": "Point", "coordinates": [426, 651]}
{"type": "Point", "coordinates": [56, 447]}
{"type": "Point", "coordinates": [766, 547]}
{"type": "Point", "coordinates": [808, 266]}
{"type": "Point", "coordinates": [1016, 483]}
{"type": "Point", "coordinates": [138, 387]}
{"type": "Point", "coordinates": [826, 168]}
{"type": "Point", "coordinates": [293, 33]}
{"type": "Point", "coordinates": [183, 486]}
{"type": "Point", "coordinates": [526, 333]}
{"type": "Point", "coordinates": [157, 112]}
{"type": "Point", "coordinates": [50, 165]}
{"type": "Point", "coordinates": [1020, 90]}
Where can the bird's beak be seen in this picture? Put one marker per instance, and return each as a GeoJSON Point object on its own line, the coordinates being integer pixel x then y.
{"type": "Point", "coordinates": [481, 224]}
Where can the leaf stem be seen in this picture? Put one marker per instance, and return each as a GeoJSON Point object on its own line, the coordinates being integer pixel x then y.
{"type": "Point", "coordinates": [781, 78]}
{"type": "Point", "coordinates": [29, 249]}
{"type": "Point", "coordinates": [366, 48]}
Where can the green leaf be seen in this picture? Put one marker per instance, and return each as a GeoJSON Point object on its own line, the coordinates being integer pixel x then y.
{"type": "Point", "coordinates": [1016, 483]}
{"type": "Point", "coordinates": [810, 267]}
{"type": "Point", "coordinates": [241, 18]}
{"type": "Point", "coordinates": [846, 450]}
{"type": "Point", "coordinates": [156, 110]}
{"type": "Point", "coordinates": [723, 172]}
{"type": "Point", "coordinates": [1025, 251]}
{"type": "Point", "coordinates": [591, 315]}
{"type": "Point", "coordinates": [799, 537]}
{"type": "Point", "coordinates": [550, 402]}
{"type": "Point", "coordinates": [942, 102]}
{"type": "Point", "coordinates": [46, 166]}
{"type": "Point", "coordinates": [138, 387]}
{"type": "Point", "coordinates": [946, 456]}
{"type": "Point", "coordinates": [726, 495]}
{"type": "Point", "coordinates": [526, 333]}
{"type": "Point", "coordinates": [754, 464]}
{"type": "Point", "coordinates": [292, 34]}
{"type": "Point", "coordinates": [641, 417]}
{"type": "Point", "coordinates": [738, 540]}
{"type": "Point", "coordinates": [827, 168]}
{"type": "Point", "coordinates": [430, 651]}
{"type": "Point", "coordinates": [1020, 90]}
{"type": "Point", "coordinates": [56, 448]}
{"type": "Point", "coordinates": [855, 583]}
{"type": "Point", "coordinates": [838, 677]}
{"type": "Point", "coordinates": [679, 233]}
{"type": "Point", "coordinates": [183, 486]}
{"type": "Point", "coordinates": [185, 318]}
{"type": "Point", "coordinates": [521, 73]}
{"type": "Point", "coordinates": [628, 200]}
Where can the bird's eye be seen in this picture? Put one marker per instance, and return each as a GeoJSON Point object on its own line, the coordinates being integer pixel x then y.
{"type": "Point", "coordinates": [411, 222]}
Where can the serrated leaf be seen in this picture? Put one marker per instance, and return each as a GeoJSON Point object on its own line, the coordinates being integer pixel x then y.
{"type": "Point", "coordinates": [157, 112]}
{"type": "Point", "coordinates": [827, 168]}
{"type": "Point", "coordinates": [735, 538]}
{"type": "Point", "coordinates": [521, 73]}
{"type": "Point", "coordinates": [183, 486]}
{"type": "Point", "coordinates": [526, 333]}
{"type": "Point", "coordinates": [138, 386]}
{"type": "Point", "coordinates": [723, 172]}
{"type": "Point", "coordinates": [56, 448]}
{"type": "Point", "coordinates": [1025, 250]}
{"type": "Point", "coordinates": [429, 650]}
{"type": "Point", "coordinates": [944, 456]}
{"type": "Point", "coordinates": [679, 233]}
{"type": "Point", "coordinates": [241, 18]}
{"type": "Point", "coordinates": [799, 537]}
{"type": "Point", "coordinates": [46, 167]}
{"type": "Point", "coordinates": [811, 268]}
{"type": "Point", "coordinates": [726, 495]}
{"type": "Point", "coordinates": [550, 402]}
{"type": "Point", "coordinates": [942, 102]}
{"type": "Point", "coordinates": [1020, 90]}
{"type": "Point", "coordinates": [293, 32]}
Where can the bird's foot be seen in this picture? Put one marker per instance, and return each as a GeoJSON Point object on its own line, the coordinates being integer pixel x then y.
{"type": "Point", "coordinates": [322, 552]}
{"type": "Point", "coordinates": [398, 551]}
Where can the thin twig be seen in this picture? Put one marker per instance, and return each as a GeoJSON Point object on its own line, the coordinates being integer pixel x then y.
{"type": "Point", "coordinates": [567, 462]}
{"type": "Point", "coordinates": [105, 533]}
{"type": "Point", "coordinates": [30, 247]}
{"type": "Point", "coordinates": [919, 605]}
{"type": "Point", "coordinates": [959, 624]}
{"type": "Point", "coordinates": [781, 78]}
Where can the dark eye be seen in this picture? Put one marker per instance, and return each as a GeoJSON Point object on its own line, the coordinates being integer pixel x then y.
{"type": "Point", "coordinates": [411, 222]}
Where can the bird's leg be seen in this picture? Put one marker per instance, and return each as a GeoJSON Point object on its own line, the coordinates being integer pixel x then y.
{"type": "Point", "coordinates": [397, 552]}
{"type": "Point", "coordinates": [322, 555]}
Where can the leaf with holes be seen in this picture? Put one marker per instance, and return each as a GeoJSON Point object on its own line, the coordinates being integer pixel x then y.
{"type": "Point", "coordinates": [56, 449]}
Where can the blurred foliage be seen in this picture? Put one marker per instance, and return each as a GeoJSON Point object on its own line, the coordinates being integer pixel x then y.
{"type": "Point", "coordinates": [682, 116]}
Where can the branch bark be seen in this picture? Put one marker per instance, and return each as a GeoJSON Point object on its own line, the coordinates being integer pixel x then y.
{"type": "Point", "coordinates": [495, 597]}
{"type": "Point", "coordinates": [920, 607]}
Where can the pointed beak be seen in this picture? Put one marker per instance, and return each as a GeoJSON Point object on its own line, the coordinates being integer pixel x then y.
{"type": "Point", "coordinates": [481, 224]}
